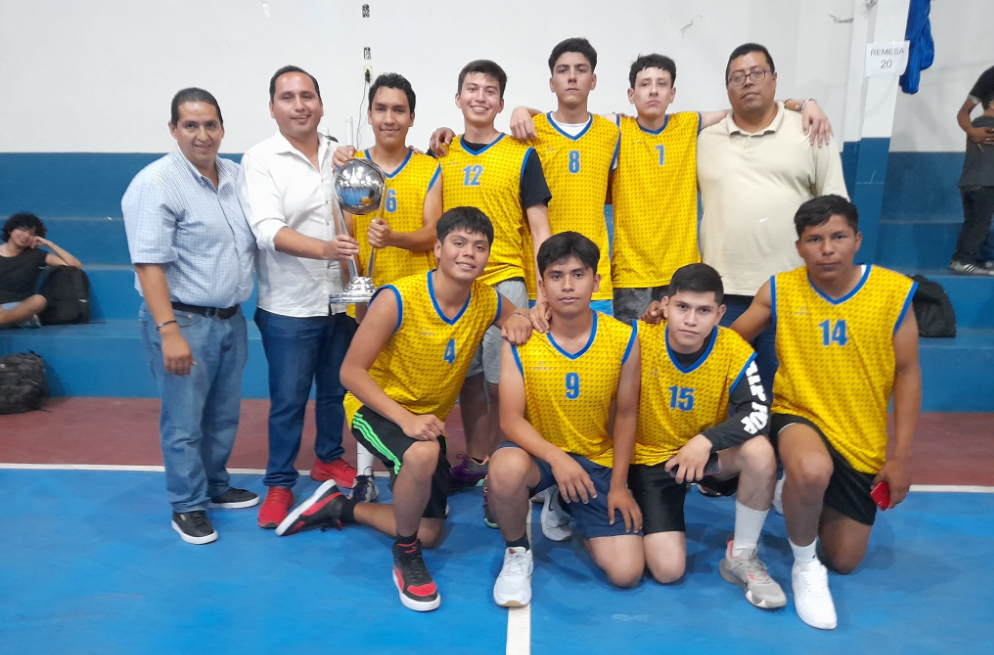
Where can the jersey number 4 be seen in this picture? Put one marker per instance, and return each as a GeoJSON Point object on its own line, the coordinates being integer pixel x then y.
{"type": "Point", "coordinates": [473, 173]}
{"type": "Point", "coordinates": [836, 334]}
{"type": "Point", "coordinates": [450, 351]}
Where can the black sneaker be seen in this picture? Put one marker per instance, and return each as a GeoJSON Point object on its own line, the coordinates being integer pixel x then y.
{"type": "Point", "coordinates": [235, 499]}
{"type": "Point", "coordinates": [322, 510]}
{"type": "Point", "coordinates": [708, 491]}
{"type": "Point", "coordinates": [194, 527]}
{"type": "Point", "coordinates": [415, 584]}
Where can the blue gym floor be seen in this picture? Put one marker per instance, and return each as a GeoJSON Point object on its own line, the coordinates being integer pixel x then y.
{"type": "Point", "coordinates": [89, 564]}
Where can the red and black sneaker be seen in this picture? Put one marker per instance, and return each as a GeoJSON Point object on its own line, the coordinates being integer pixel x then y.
{"type": "Point", "coordinates": [417, 589]}
{"type": "Point", "coordinates": [322, 510]}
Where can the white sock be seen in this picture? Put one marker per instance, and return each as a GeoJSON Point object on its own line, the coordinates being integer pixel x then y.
{"type": "Point", "coordinates": [363, 460]}
{"type": "Point", "coordinates": [804, 555]}
{"type": "Point", "coordinates": [748, 526]}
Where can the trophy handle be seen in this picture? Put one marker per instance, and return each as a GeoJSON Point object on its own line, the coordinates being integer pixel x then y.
{"type": "Point", "coordinates": [336, 208]}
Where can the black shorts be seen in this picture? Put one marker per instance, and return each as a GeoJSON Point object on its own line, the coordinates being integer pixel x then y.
{"type": "Point", "coordinates": [388, 443]}
{"type": "Point", "coordinates": [660, 497]}
{"type": "Point", "coordinates": [848, 491]}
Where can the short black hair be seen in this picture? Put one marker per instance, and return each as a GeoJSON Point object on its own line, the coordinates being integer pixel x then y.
{"type": "Point", "coordinates": [291, 69]}
{"type": "Point", "coordinates": [651, 61]}
{"type": "Point", "coordinates": [488, 68]}
{"type": "Point", "coordinates": [818, 210]}
{"type": "Point", "coordinates": [565, 245]}
{"type": "Point", "coordinates": [696, 278]}
{"type": "Point", "coordinates": [575, 44]}
{"type": "Point", "coordinates": [192, 94]}
{"type": "Point", "coordinates": [470, 219]}
{"type": "Point", "coordinates": [393, 81]}
{"type": "Point", "coordinates": [745, 49]}
{"type": "Point", "coordinates": [25, 220]}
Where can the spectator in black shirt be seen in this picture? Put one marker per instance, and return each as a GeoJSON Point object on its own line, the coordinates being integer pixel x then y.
{"type": "Point", "coordinates": [980, 94]}
{"type": "Point", "coordinates": [21, 262]}
{"type": "Point", "coordinates": [977, 188]}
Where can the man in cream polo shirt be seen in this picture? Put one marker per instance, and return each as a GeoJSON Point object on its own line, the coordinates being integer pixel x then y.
{"type": "Point", "coordinates": [754, 169]}
{"type": "Point", "coordinates": [285, 188]}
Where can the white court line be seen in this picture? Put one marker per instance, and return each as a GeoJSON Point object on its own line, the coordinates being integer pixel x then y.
{"type": "Point", "coordinates": [133, 467]}
{"type": "Point", "coordinates": [519, 619]}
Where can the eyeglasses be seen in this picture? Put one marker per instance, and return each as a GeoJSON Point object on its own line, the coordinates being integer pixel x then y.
{"type": "Point", "coordinates": [738, 78]}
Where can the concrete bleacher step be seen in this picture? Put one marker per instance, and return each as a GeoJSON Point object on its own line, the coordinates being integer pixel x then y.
{"type": "Point", "coordinates": [92, 239]}
{"type": "Point", "coordinates": [917, 243]}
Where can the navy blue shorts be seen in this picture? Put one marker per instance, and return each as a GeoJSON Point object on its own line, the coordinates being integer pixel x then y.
{"type": "Point", "coordinates": [591, 518]}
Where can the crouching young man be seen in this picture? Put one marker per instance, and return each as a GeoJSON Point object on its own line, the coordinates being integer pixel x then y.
{"type": "Point", "coordinates": [555, 397]}
{"type": "Point", "coordinates": [404, 371]}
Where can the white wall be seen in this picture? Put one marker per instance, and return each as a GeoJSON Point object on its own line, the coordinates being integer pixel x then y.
{"type": "Point", "coordinates": [98, 76]}
{"type": "Point", "coordinates": [964, 48]}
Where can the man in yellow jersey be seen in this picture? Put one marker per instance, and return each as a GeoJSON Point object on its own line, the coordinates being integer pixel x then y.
{"type": "Point", "coordinates": [484, 168]}
{"type": "Point", "coordinates": [654, 182]}
{"type": "Point", "coordinates": [556, 393]}
{"type": "Point", "coordinates": [403, 376]}
{"type": "Point", "coordinates": [692, 372]}
{"type": "Point", "coordinates": [578, 151]}
{"type": "Point", "coordinates": [403, 230]}
{"type": "Point", "coordinates": [846, 341]}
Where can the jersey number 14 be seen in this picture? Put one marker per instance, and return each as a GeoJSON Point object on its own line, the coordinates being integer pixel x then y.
{"type": "Point", "coordinates": [833, 334]}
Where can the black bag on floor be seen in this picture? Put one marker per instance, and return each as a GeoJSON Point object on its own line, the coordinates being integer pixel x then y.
{"type": "Point", "coordinates": [933, 311]}
{"type": "Point", "coordinates": [23, 385]}
{"type": "Point", "coordinates": [67, 290]}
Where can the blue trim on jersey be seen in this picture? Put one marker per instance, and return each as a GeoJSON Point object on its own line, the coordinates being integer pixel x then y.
{"type": "Point", "coordinates": [617, 120]}
{"type": "Point", "coordinates": [741, 374]}
{"type": "Point", "coordinates": [400, 303]}
{"type": "Point", "coordinates": [483, 149]}
{"type": "Point", "coordinates": [862, 281]}
{"type": "Point", "coordinates": [617, 149]}
{"type": "Point", "coordinates": [524, 163]}
{"type": "Point", "coordinates": [517, 360]}
{"type": "Point", "coordinates": [396, 172]}
{"type": "Point", "coordinates": [590, 342]}
{"type": "Point", "coordinates": [500, 304]}
{"type": "Point", "coordinates": [438, 310]}
{"type": "Point", "coordinates": [631, 342]}
{"type": "Point", "coordinates": [552, 122]}
{"type": "Point", "coordinates": [700, 360]}
{"type": "Point", "coordinates": [654, 132]}
{"type": "Point", "coordinates": [773, 299]}
{"type": "Point", "coordinates": [904, 308]}
{"type": "Point", "coordinates": [700, 123]}
{"type": "Point", "coordinates": [434, 178]}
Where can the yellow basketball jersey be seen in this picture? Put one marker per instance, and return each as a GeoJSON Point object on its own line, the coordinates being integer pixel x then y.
{"type": "Point", "coordinates": [577, 170]}
{"type": "Point", "coordinates": [568, 397]}
{"type": "Point", "coordinates": [837, 358]}
{"type": "Point", "coordinates": [490, 180]}
{"type": "Point", "coordinates": [677, 404]}
{"type": "Point", "coordinates": [403, 208]}
{"type": "Point", "coordinates": [424, 362]}
{"type": "Point", "coordinates": [655, 201]}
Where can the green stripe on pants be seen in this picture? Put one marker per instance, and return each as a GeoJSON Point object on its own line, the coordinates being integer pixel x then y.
{"type": "Point", "coordinates": [367, 431]}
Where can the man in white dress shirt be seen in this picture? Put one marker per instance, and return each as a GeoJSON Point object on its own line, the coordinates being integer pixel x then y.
{"type": "Point", "coordinates": [285, 189]}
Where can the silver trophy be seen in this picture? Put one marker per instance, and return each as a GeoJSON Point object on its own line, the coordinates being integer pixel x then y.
{"type": "Point", "coordinates": [358, 188]}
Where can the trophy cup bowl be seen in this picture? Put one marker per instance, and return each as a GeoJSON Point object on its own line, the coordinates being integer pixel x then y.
{"type": "Point", "coordinates": [358, 188]}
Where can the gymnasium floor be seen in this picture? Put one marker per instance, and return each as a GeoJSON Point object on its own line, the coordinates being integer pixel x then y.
{"type": "Point", "coordinates": [89, 564]}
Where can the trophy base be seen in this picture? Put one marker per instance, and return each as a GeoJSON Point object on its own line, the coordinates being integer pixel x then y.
{"type": "Point", "coordinates": [358, 291]}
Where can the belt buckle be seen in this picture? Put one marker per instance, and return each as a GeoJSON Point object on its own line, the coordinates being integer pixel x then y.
{"type": "Point", "coordinates": [210, 312]}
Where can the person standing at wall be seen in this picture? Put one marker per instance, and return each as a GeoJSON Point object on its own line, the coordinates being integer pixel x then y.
{"type": "Point", "coordinates": [21, 263]}
{"type": "Point", "coordinates": [285, 187]}
{"type": "Point", "coordinates": [193, 255]}
{"type": "Point", "coordinates": [980, 94]}
{"type": "Point", "coordinates": [976, 185]}
{"type": "Point", "coordinates": [754, 169]}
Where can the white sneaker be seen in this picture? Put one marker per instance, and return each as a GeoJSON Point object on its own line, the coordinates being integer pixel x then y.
{"type": "Point", "coordinates": [812, 599]}
{"type": "Point", "coordinates": [778, 495]}
{"type": "Point", "coordinates": [540, 497]}
{"type": "Point", "coordinates": [514, 584]}
{"type": "Point", "coordinates": [555, 519]}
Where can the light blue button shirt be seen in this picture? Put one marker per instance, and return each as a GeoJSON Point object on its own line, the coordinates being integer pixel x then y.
{"type": "Point", "coordinates": [175, 217]}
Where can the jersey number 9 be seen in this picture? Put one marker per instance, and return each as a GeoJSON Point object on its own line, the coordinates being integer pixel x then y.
{"type": "Point", "coordinates": [572, 386]}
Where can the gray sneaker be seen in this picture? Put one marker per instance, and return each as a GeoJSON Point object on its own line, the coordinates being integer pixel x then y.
{"type": "Point", "coordinates": [364, 489]}
{"type": "Point", "coordinates": [959, 268]}
{"type": "Point", "coordinates": [749, 573]}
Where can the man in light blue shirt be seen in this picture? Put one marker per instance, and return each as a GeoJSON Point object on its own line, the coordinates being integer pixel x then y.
{"type": "Point", "coordinates": [193, 253]}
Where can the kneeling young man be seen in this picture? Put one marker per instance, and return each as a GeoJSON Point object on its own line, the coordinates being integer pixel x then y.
{"type": "Point", "coordinates": [555, 397]}
{"type": "Point", "coordinates": [404, 371]}
{"type": "Point", "coordinates": [845, 340]}
{"type": "Point", "coordinates": [692, 372]}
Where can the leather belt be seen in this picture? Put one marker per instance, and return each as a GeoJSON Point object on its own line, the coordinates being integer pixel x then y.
{"type": "Point", "coordinates": [208, 312]}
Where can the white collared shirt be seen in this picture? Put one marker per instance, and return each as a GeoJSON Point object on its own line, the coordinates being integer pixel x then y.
{"type": "Point", "coordinates": [751, 186]}
{"type": "Point", "coordinates": [279, 187]}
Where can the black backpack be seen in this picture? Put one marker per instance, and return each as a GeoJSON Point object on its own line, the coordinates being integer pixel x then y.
{"type": "Point", "coordinates": [933, 311]}
{"type": "Point", "coordinates": [67, 290]}
{"type": "Point", "coordinates": [23, 385]}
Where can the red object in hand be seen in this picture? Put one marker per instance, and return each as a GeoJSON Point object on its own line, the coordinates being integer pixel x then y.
{"type": "Point", "coordinates": [881, 494]}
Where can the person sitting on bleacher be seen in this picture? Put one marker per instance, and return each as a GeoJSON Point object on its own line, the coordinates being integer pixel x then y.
{"type": "Point", "coordinates": [21, 263]}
